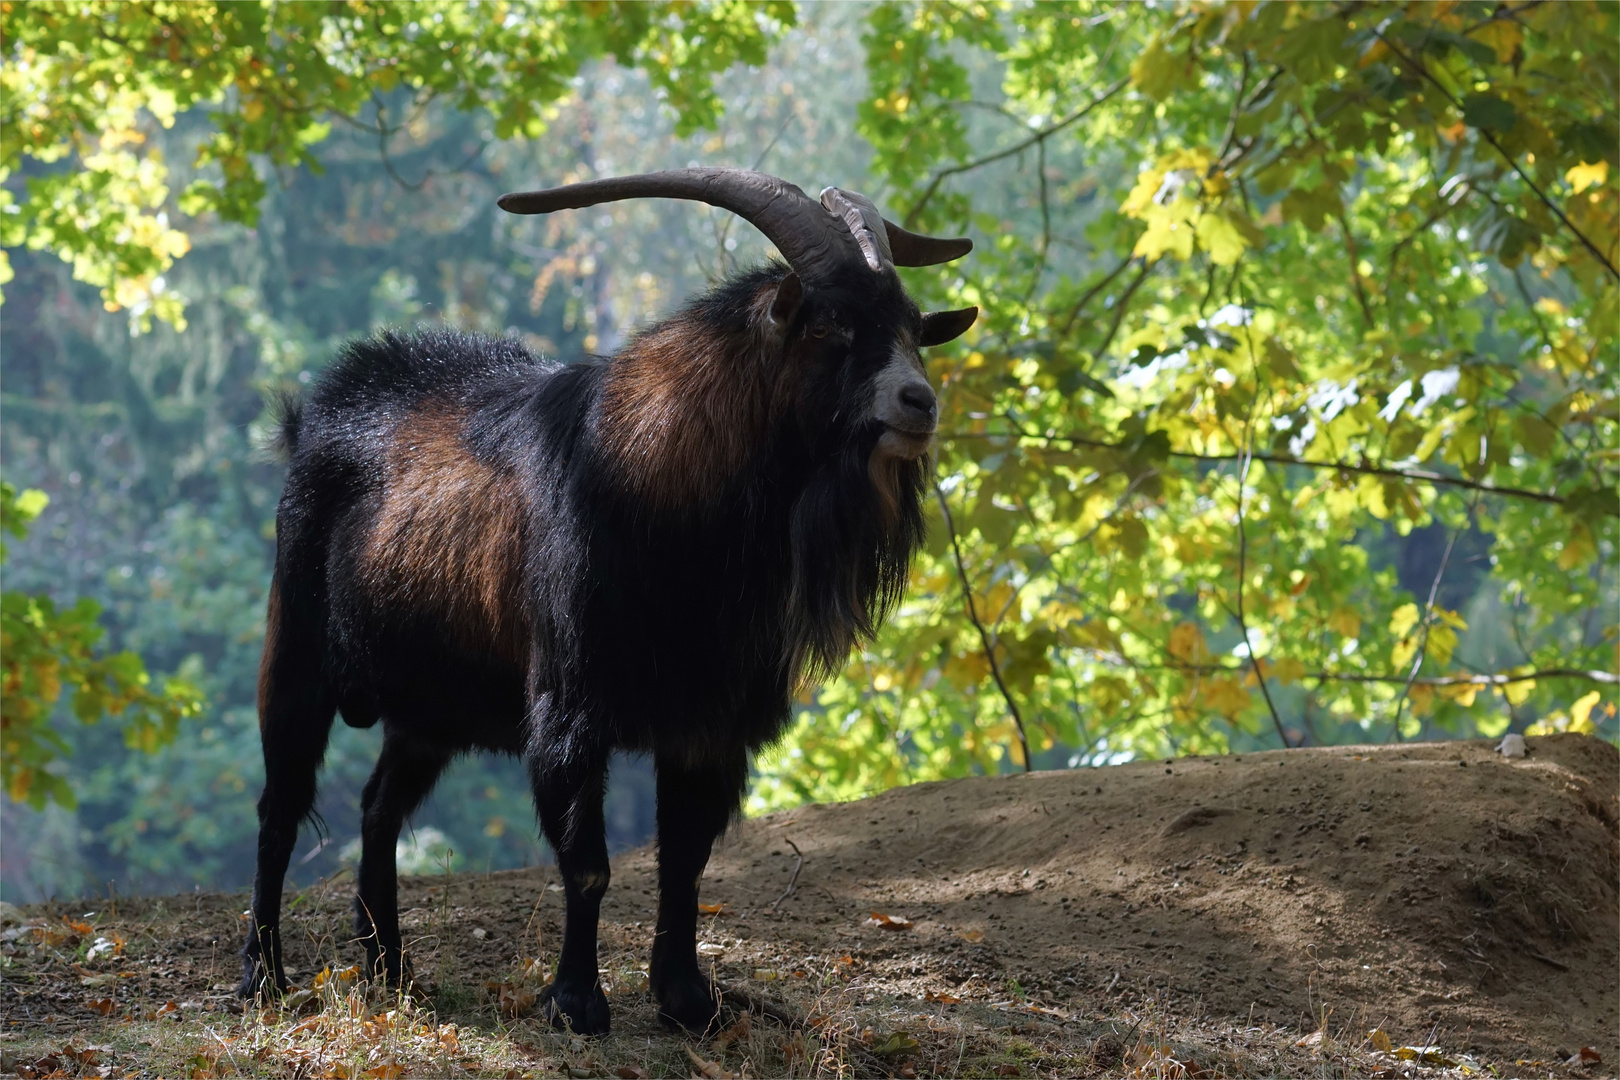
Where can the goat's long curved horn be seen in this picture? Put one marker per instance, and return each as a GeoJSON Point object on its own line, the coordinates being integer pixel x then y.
{"type": "Point", "coordinates": [882, 241]}
{"type": "Point", "coordinates": [863, 221]}
{"type": "Point", "coordinates": [914, 249]}
{"type": "Point", "coordinates": [814, 244]}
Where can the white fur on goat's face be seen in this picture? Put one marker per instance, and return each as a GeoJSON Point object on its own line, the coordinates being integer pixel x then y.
{"type": "Point", "coordinates": [907, 429]}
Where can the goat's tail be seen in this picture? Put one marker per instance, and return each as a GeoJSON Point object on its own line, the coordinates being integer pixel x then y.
{"type": "Point", "coordinates": [286, 418]}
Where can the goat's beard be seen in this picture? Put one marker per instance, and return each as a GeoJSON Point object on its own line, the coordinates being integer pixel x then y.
{"type": "Point", "coordinates": [854, 530]}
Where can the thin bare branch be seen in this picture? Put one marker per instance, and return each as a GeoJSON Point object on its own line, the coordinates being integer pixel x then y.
{"type": "Point", "coordinates": [1413, 475]}
{"type": "Point", "coordinates": [1017, 148]}
{"type": "Point", "coordinates": [1243, 546]}
{"type": "Point", "coordinates": [1485, 134]}
{"type": "Point", "coordinates": [1090, 294]}
{"type": "Point", "coordinates": [984, 635]}
{"type": "Point", "coordinates": [1426, 623]}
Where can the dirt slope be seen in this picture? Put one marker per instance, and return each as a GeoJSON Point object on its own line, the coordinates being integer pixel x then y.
{"type": "Point", "coordinates": [1437, 891]}
{"type": "Point", "coordinates": [1428, 886]}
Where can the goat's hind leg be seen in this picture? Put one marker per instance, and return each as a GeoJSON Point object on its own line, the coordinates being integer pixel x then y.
{"type": "Point", "coordinates": [406, 771]}
{"type": "Point", "coordinates": [295, 718]}
{"type": "Point", "coordinates": [569, 798]}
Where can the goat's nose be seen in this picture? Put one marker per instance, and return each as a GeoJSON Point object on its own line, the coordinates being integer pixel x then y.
{"type": "Point", "coordinates": [917, 399]}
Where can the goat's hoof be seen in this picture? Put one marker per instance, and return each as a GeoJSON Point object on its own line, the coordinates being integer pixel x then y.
{"type": "Point", "coordinates": [389, 969]}
{"type": "Point", "coordinates": [584, 1012]}
{"type": "Point", "coordinates": [692, 1004]}
{"type": "Point", "coordinates": [257, 984]}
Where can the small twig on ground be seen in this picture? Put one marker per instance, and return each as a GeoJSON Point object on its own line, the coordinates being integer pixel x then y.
{"type": "Point", "coordinates": [794, 880]}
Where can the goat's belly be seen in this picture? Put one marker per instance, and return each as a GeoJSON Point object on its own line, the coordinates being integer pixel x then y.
{"type": "Point", "coordinates": [436, 690]}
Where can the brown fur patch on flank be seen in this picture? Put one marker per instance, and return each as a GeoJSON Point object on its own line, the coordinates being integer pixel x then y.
{"type": "Point", "coordinates": [272, 636]}
{"type": "Point", "coordinates": [448, 539]}
{"type": "Point", "coordinates": [685, 407]}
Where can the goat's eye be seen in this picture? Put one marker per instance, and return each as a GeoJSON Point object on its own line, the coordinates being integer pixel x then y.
{"type": "Point", "coordinates": [820, 330]}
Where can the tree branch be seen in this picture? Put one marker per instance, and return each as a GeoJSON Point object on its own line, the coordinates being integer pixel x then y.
{"type": "Point", "coordinates": [1485, 134]}
{"type": "Point", "coordinates": [1607, 678]}
{"type": "Point", "coordinates": [1414, 475]}
{"type": "Point", "coordinates": [1090, 294]}
{"type": "Point", "coordinates": [1017, 148]}
{"type": "Point", "coordinates": [1243, 545]}
{"type": "Point", "coordinates": [984, 635]}
{"type": "Point", "coordinates": [1426, 623]}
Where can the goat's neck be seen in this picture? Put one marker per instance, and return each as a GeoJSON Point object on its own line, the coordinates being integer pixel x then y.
{"type": "Point", "coordinates": [685, 409]}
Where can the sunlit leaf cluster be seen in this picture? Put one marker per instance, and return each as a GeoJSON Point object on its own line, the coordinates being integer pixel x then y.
{"type": "Point", "coordinates": [86, 82]}
{"type": "Point", "coordinates": [46, 651]}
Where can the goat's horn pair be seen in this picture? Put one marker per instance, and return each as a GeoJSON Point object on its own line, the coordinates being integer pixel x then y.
{"type": "Point", "coordinates": [818, 239]}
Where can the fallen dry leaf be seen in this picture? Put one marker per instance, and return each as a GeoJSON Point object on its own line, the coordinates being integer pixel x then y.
{"type": "Point", "coordinates": [631, 1072]}
{"type": "Point", "coordinates": [1426, 1055]}
{"type": "Point", "coordinates": [974, 936]}
{"type": "Point", "coordinates": [1380, 1040]}
{"type": "Point", "coordinates": [714, 909]}
{"type": "Point", "coordinates": [1590, 1056]}
{"type": "Point", "coordinates": [388, 1070]}
{"type": "Point", "coordinates": [709, 1069]}
{"type": "Point", "coordinates": [943, 999]}
{"type": "Point", "coordinates": [512, 999]}
{"type": "Point", "coordinates": [897, 1043]}
{"type": "Point", "coordinates": [104, 1006]}
{"type": "Point", "coordinates": [888, 922]}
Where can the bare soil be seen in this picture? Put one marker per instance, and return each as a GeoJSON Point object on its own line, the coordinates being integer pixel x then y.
{"type": "Point", "coordinates": [1261, 914]}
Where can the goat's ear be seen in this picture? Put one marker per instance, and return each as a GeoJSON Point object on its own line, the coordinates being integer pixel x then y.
{"type": "Point", "coordinates": [785, 305]}
{"type": "Point", "coordinates": [938, 327]}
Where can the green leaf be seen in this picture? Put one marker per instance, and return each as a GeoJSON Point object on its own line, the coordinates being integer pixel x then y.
{"type": "Point", "coordinates": [1482, 110]}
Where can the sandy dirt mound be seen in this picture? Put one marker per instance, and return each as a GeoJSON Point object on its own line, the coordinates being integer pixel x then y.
{"type": "Point", "coordinates": [1065, 923]}
{"type": "Point", "coordinates": [1437, 889]}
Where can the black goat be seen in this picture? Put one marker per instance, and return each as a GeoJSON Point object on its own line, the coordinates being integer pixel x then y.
{"type": "Point", "coordinates": [486, 550]}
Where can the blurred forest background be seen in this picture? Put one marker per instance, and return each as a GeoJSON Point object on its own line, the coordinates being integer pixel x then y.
{"type": "Point", "coordinates": [1291, 417]}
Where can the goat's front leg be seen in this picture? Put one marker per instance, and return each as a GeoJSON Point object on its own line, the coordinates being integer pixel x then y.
{"type": "Point", "coordinates": [694, 805]}
{"type": "Point", "coordinates": [569, 798]}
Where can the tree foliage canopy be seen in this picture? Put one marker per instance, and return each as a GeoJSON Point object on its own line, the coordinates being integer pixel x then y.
{"type": "Point", "coordinates": [82, 76]}
{"type": "Point", "coordinates": [1355, 276]}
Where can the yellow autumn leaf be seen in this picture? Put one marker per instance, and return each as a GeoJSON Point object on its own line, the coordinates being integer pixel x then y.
{"type": "Point", "coordinates": [1287, 670]}
{"type": "Point", "coordinates": [1404, 618]}
{"type": "Point", "coordinates": [1442, 642]}
{"type": "Point", "coordinates": [1583, 176]}
{"type": "Point", "coordinates": [1169, 229]}
{"type": "Point", "coordinates": [1462, 693]}
{"type": "Point", "coordinates": [1422, 698]}
{"type": "Point", "coordinates": [1580, 713]}
{"type": "Point", "coordinates": [1345, 622]}
{"type": "Point", "coordinates": [1227, 234]}
{"type": "Point", "coordinates": [1517, 693]}
{"type": "Point", "coordinates": [1578, 549]}
{"type": "Point", "coordinates": [1187, 644]}
{"type": "Point", "coordinates": [1224, 694]}
{"type": "Point", "coordinates": [1503, 35]}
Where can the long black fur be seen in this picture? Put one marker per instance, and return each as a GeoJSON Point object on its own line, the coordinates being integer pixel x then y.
{"type": "Point", "coordinates": [677, 631]}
